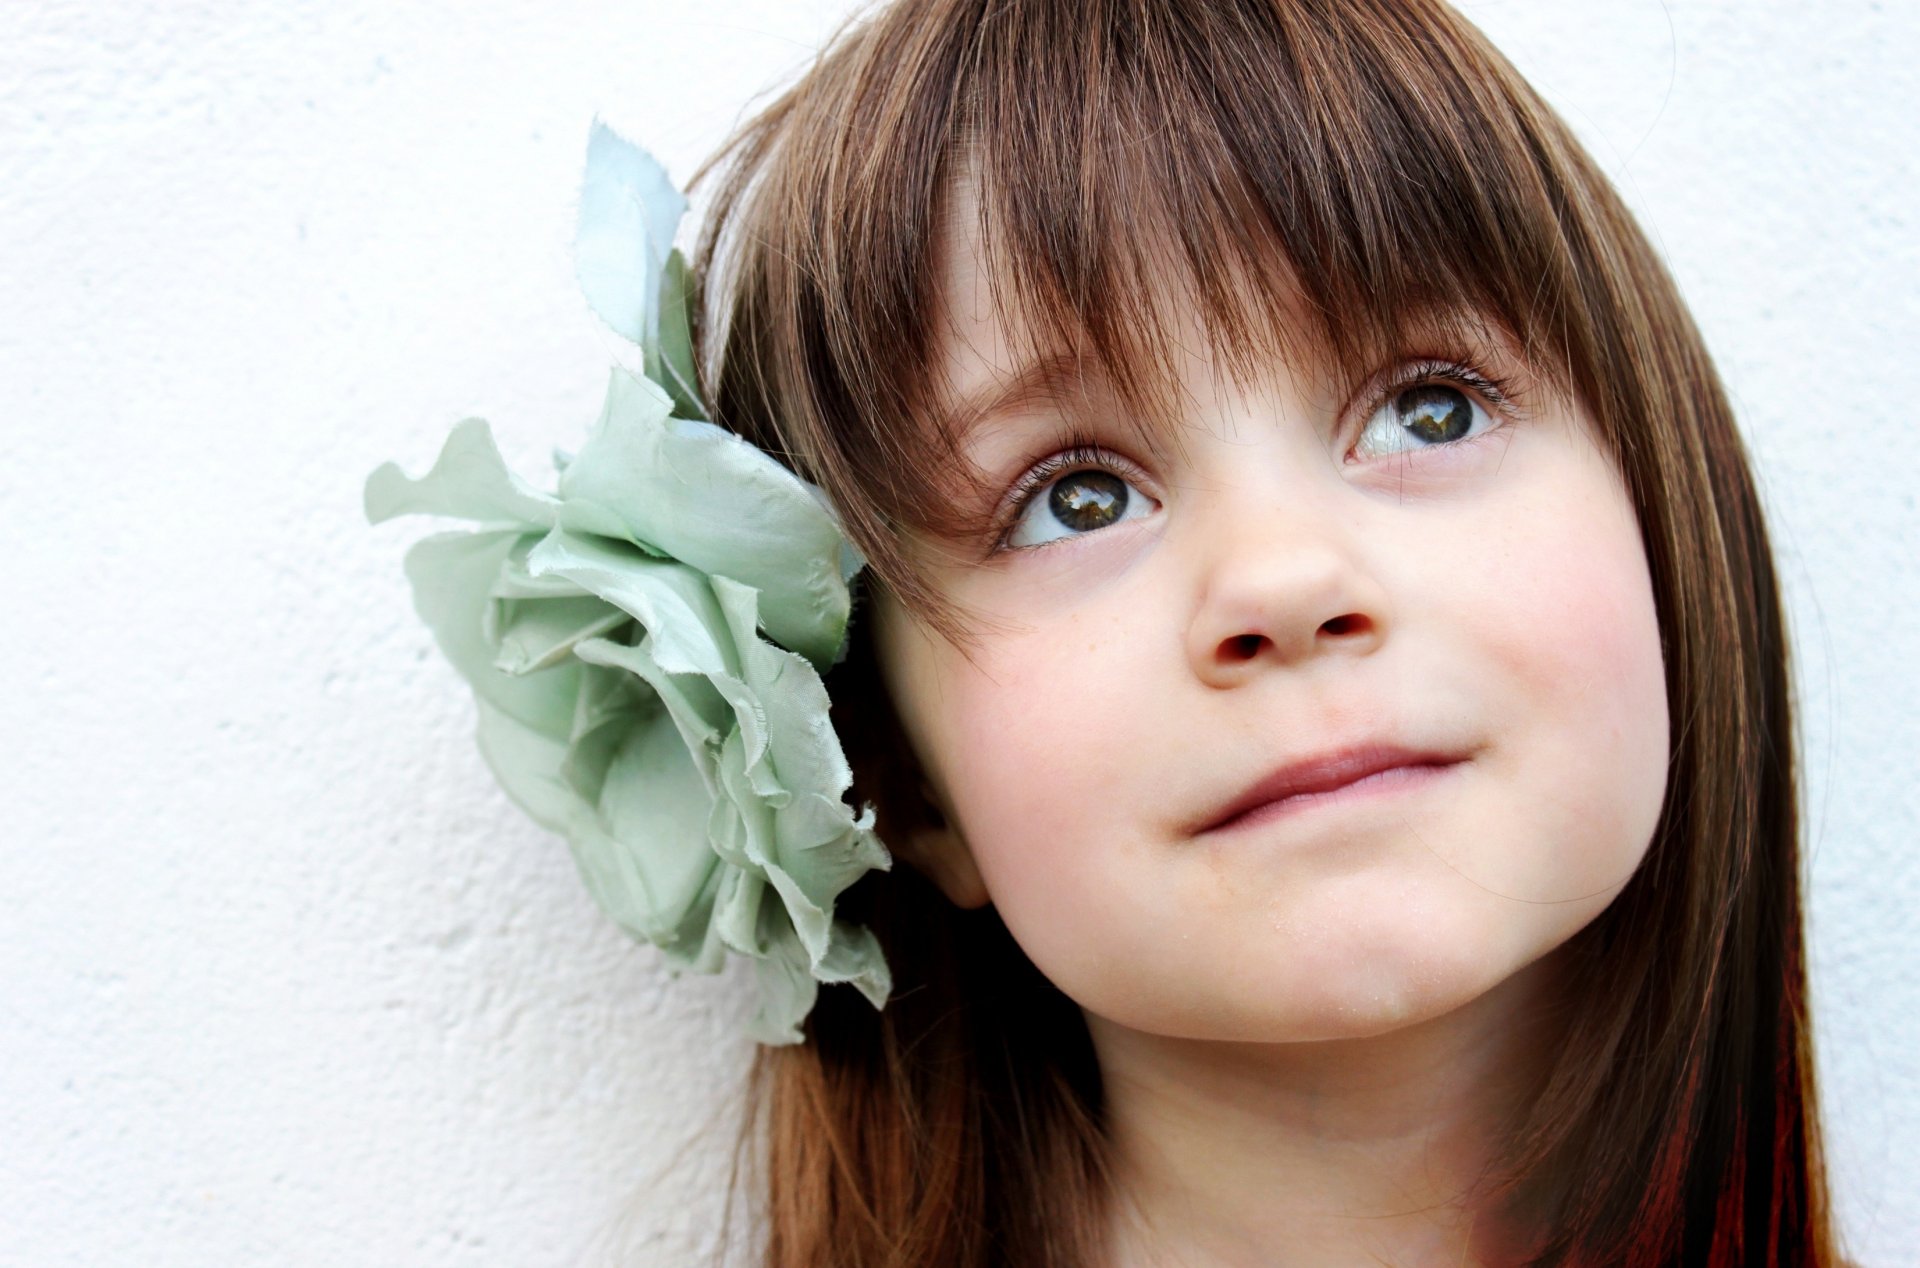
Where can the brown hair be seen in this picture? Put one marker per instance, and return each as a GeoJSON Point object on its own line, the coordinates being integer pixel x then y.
{"type": "Point", "coordinates": [1381, 162]}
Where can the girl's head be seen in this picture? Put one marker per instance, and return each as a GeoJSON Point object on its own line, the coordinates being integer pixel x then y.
{"type": "Point", "coordinates": [1216, 387]}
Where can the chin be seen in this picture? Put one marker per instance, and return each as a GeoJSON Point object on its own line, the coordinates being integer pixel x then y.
{"type": "Point", "coordinates": [1389, 993]}
{"type": "Point", "coordinates": [1379, 985]}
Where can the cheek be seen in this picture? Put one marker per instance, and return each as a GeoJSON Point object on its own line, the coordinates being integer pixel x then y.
{"type": "Point", "coordinates": [1570, 635]}
{"type": "Point", "coordinates": [1041, 759]}
{"type": "Point", "coordinates": [1039, 732]}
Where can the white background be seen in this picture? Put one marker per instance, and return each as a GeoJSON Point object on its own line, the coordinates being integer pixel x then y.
{"type": "Point", "coordinates": [286, 979]}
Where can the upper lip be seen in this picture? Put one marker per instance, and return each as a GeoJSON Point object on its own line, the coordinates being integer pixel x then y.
{"type": "Point", "coordinates": [1323, 772]}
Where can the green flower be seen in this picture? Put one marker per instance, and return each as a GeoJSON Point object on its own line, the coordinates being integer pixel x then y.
{"type": "Point", "coordinates": [613, 635]}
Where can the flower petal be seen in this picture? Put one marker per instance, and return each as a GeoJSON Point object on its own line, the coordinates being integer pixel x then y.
{"type": "Point", "coordinates": [610, 706]}
{"type": "Point", "coordinates": [469, 480]}
{"type": "Point", "coordinates": [855, 956]}
{"type": "Point", "coordinates": [540, 633]}
{"type": "Point", "coordinates": [788, 990]}
{"type": "Point", "coordinates": [527, 764]}
{"type": "Point", "coordinates": [643, 851]}
{"type": "Point", "coordinates": [712, 500]}
{"type": "Point", "coordinates": [789, 979]}
{"type": "Point", "coordinates": [453, 575]}
{"type": "Point", "coordinates": [673, 602]}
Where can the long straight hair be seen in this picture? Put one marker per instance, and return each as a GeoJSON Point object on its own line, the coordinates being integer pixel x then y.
{"type": "Point", "coordinates": [1380, 162]}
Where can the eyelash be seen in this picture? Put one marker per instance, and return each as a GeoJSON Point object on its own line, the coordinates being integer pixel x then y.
{"type": "Point", "coordinates": [1494, 389]}
{"type": "Point", "coordinates": [1083, 453]}
{"type": "Point", "coordinates": [1080, 455]}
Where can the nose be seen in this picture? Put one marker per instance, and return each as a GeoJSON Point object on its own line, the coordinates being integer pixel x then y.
{"type": "Point", "coordinates": [1283, 589]}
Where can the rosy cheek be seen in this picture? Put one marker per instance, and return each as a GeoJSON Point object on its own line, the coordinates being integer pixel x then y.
{"type": "Point", "coordinates": [1605, 618]}
{"type": "Point", "coordinates": [1574, 656]}
{"type": "Point", "coordinates": [1006, 736]}
{"type": "Point", "coordinates": [1037, 741]}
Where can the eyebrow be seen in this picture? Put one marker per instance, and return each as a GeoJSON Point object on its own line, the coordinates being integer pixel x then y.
{"type": "Point", "coordinates": [1043, 378]}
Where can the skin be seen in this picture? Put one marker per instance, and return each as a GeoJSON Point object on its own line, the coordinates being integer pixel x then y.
{"type": "Point", "coordinates": [1310, 1029]}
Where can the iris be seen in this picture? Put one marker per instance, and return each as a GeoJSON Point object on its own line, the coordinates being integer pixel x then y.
{"type": "Point", "coordinates": [1434, 412]}
{"type": "Point", "coordinates": [1088, 500]}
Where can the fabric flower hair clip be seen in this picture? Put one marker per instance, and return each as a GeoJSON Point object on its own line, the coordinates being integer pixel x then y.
{"type": "Point", "coordinates": [645, 643]}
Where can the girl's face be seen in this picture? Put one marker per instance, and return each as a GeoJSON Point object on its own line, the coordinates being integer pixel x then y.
{"type": "Point", "coordinates": [1314, 588]}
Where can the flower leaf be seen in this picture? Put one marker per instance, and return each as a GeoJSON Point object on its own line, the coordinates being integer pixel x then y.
{"type": "Point", "coordinates": [629, 210]}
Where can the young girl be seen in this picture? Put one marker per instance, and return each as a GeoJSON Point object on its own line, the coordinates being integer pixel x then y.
{"type": "Point", "coordinates": [1320, 664]}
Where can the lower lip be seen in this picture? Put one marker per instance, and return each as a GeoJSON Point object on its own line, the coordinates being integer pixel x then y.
{"type": "Point", "coordinates": [1377, 786]}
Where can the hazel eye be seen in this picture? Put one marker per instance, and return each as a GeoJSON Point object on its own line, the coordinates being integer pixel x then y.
{"type": "Point", "coordinates": [1075, 504]}
{"type": "Point", "coordinates": [1421, 417]}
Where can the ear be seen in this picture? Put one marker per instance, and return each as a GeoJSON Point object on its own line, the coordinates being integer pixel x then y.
{"type": "Point", "coordinates": [935, 848]}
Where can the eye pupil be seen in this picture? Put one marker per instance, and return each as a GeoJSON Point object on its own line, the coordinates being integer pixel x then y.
{"type": "Point", "coordinates": [1434, 412]}
{"type": "Point", "coordinates": [1089, 499]}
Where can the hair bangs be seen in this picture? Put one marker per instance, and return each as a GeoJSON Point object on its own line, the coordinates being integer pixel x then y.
{"type": "Point", "coordinates": [1355, 218]}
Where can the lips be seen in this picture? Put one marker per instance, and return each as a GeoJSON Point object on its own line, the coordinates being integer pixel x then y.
{"type": "Point", "coordinates": [1326, 772]}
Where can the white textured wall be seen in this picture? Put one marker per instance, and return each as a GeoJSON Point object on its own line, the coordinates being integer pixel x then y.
{"type": "Point", "coordinates": [286, 980]}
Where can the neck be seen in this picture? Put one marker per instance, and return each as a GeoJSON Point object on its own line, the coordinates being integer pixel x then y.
{"type": "Point", "coordinates": [1331, 1152]}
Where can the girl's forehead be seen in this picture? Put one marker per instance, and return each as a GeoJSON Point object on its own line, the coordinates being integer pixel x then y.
{"type": "Point", "coordinates": [987, 355]}
{"type": "Point", "coordinates": [987, 360]}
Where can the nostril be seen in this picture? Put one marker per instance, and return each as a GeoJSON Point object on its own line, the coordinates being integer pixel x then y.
{"type": "Point", "coordinates": [1245, 646]}
{"type": "Point", "coordinates": [1352, 623]}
